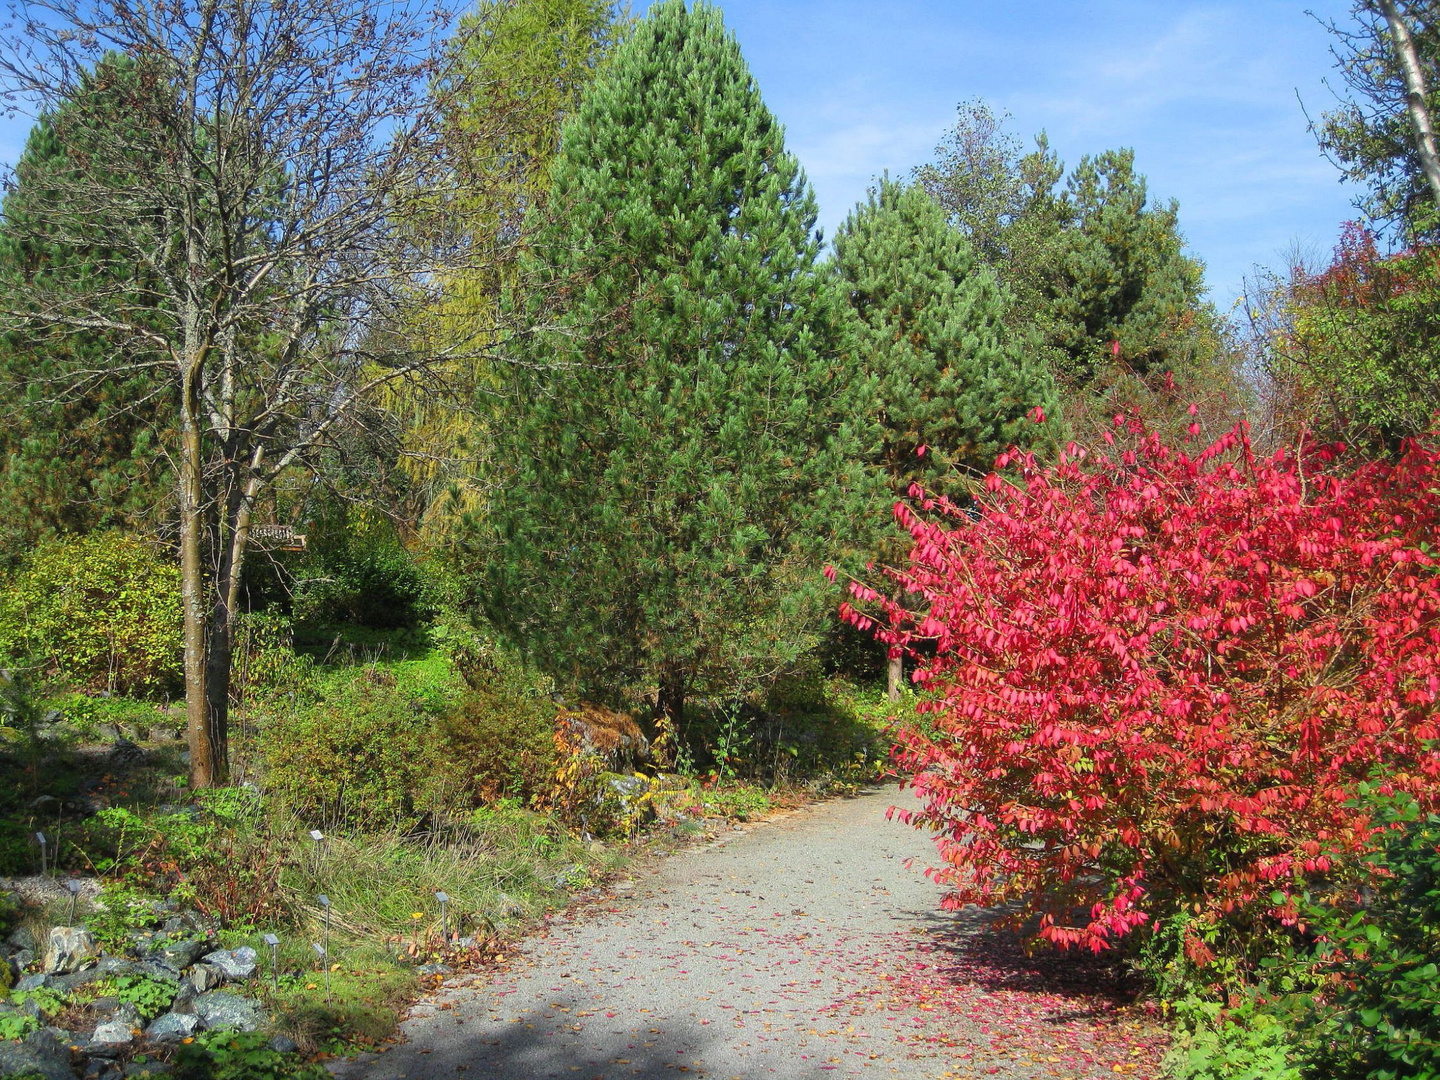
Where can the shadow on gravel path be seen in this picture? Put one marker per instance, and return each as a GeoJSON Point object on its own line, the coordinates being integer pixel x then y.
{"type": "Point", "coordinates": [802, 948]}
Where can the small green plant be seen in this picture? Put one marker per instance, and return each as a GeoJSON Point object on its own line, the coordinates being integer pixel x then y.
{"type": "Point", "coordinates": [225, 1055]}
{"type": "Point", "coordinates": [741, 802]}
{"type": "Point", "coordinates": [364, 755]}
{"type": "Point", "coordinates": [17, 1025]}
{"type": "Point", "coordinates": [150, 996]}
{"type": "Point", "coordinates": [1255, 1040]}
{"type": "Point", "coordinates": [123, 910]}
{"type": "Point", "coordinates": [48, 1001]}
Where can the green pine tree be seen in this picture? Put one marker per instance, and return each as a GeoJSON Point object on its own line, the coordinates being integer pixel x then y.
{"type": "Point", "coordinates": [79, 408]}
{"type": "Point", "coordinates": [686, 431]}
{"type": "Point", "coordinates": [930, 326]}
{"type": "Point", "coordinates": [953, 389]}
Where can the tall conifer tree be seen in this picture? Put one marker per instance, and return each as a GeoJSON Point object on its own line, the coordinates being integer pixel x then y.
{"type": "Point", "coordinates": [78, 406]}
{"type": "Point", "coordinates": [930, 326]}
{"type": "Point", "coordinates": [953, 389]}
{"type": "Point", "coordinates": [686, 434]}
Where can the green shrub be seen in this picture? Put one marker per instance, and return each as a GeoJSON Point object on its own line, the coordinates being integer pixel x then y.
{"type": "Point", "coordinates": [357, 570]}
{"type": "Point", "coordinates": [1255, 1040]}
{"type": "Point", "coordinates": [501, 731]}
{"type": "Point", "coordinates": [100, 611]}
{"type": "Point", "coordinates": [1379, 945]}
{"type": "Point", "coordinates": [362, 755]}
{"type": "Point", "coordinates": [264, 657]}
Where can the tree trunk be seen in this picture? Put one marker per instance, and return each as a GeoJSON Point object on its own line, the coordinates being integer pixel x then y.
{"type": "Point", "coordinates": [205, 770]}
{"type": "Point", "coordinates": [1415, 97]}
{"type": "Point", "coordinates": [670, 702]}
{"type": "Point", "coordinates": [894, 675]}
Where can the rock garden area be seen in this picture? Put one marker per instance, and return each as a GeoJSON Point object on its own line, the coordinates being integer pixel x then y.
{"type": "Point", "coordinates": [406, 804]}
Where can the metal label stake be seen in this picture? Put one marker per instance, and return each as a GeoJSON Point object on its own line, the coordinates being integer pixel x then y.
{"type": "Point", "coordinates": [444, 920]}
{"type": "Point", "coordinates": [325, 963]}
{"type": "Point", "coordinates": [74, 887]}
{"type": "Point", "coordinates": [274, 943]}
{"type": "Point", "coordinates": [40, 836]}
{"type": "Point", "coordinates": [325, 906]}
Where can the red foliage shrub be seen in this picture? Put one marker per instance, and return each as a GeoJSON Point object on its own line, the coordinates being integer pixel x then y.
{"type": "Point", "coordinates": [1155, 679]}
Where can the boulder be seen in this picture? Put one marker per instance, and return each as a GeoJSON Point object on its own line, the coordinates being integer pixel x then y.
{"type": "Point", "coordinates": [184, 999]}
{"type": "Point", "coordinates": [205, 977]}
{"type": "Point", "coordinates": [110, 1039]}
{"type": "Point", "coordinates": [101, 1069]}
{"type": "Point", "coordinates": [70, 948]}
{"type": "Point", "coordinates": [34, 982]}
{"type": "Point", "coordinates": [221, 1009]}
{"type": "Point", "coordinates": [614, 736]}
{"type": "Point", "coordinates": [236, 964]}
{"type": "Point", "coordinates": [127, 1014]}
{"type": "Point", "coordinates": [22, 937]}
{"type": "Point", "coordinates": [180, 954]}
{"type": "Point", "coordinates": [172, 1027]}
{"type": "Point", "coordinates": [27, 1059]}
{"type": "Point", "coordinates": [283, 1044]}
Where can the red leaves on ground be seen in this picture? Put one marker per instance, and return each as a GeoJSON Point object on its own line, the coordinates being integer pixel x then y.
{"type": "Point", "coordinates": [1155, 680]}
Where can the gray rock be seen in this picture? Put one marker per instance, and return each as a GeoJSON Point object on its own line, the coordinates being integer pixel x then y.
{"type": "Point", "coordinates": [172, 1027]}
{"type": "Point", "coordinates": [76, 979]}
{"type": "Point", "coordinates": [184, 1000]}
{"type": "Point", "coordinates": [22, 937]}
{"type": "Point", "coordinates": [181, 954]}
{"type": "Point", "coordinates": [221, 1009]}
{"type": "Point", "coordinates": [20, 1059]}
{"type": "Point", "coordinates": [70, 948]}
{"type": "Point", "coordinates": [34, 982]}
{"type": "Point", "coordinates": [127, 1014]}
{"type": "Point", "coordinates": [162, 734]}
{"type": "Point", "coordinates": [100, 1069]}
{"type": "Point", "coordinates": [147, 1068]}
{"type": "Point", "coordinates": [283, 1044]}
{"type": "Point", "coordinates": [22, 959]}
{"type": "Point", "coordinates": [236, 964]}
{"type": "Point", "coordinates": [109, 1039]}
{"type": "Point", "coordinates": [158, 969]}
{"type": "Point", "coordinates": [205, 977]}
{"type": "Point", "coordinates": [107, 731]}
{"type": "Point", "coordinates": [435, 969]}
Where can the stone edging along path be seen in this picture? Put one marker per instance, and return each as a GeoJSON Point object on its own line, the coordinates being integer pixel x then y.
{"type": "Point", "coordinates": [802, 947]}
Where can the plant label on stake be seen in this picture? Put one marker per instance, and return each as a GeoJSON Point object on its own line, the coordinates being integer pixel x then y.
{"type": "Point", "coordinates": [274, 943]}
{"type": "Point", "coordinates": [319, 838]}
{"type": "Point", "coordinates": [40, 836]}
{"type": "Point", "coordinates": [324, 955]}
{"type": "Point", "coordinates": [325, 906]}
{"type": "Point", "coordinates": [444, 921]}
{"type": "Point", "coordinates": [74, 887]}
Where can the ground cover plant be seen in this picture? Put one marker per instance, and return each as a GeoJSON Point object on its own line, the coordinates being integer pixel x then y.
{"type": "Point", "coordinates": [1156, 678]}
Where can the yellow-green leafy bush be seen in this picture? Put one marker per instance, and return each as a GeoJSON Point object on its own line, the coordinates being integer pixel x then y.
{"type": "Point", "coordinates": [100, 612]}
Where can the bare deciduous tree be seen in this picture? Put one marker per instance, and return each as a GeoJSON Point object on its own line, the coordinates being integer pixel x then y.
{"type": "Point", "coordinates": [274, 219]}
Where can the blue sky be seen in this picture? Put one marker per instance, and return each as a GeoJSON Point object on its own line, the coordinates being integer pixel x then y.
{"type": "Point", "coordinates": [1205, 92]}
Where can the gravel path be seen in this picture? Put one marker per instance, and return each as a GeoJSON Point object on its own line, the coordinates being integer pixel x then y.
{"type": "Point", "coordinates": [802, 947]}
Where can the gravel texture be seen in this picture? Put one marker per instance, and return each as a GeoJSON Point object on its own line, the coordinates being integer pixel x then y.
{"type": "Point", "coordinates": [801, 947]}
